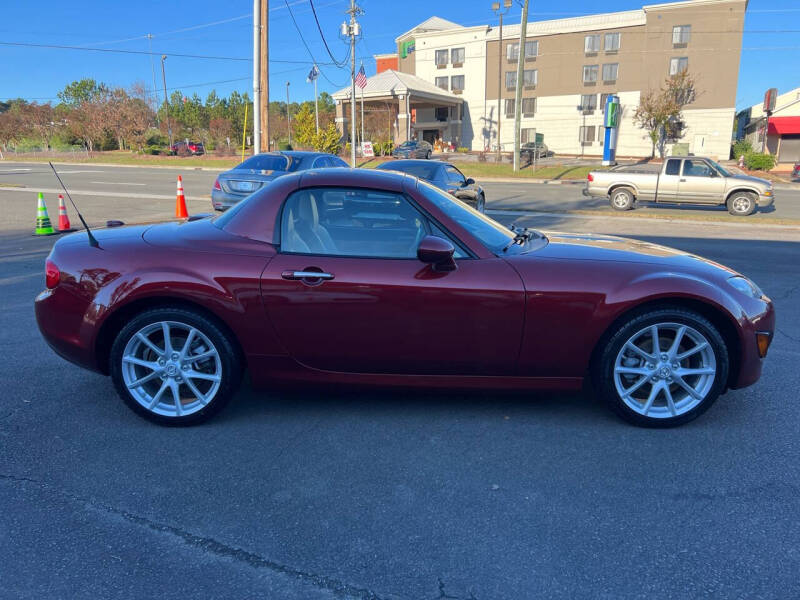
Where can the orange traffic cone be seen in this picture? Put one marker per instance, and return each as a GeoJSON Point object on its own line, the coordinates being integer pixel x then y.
{"type": "Point", "coordinates": [180, 202]}
{"type": "Point", "coordinates": [63, 218]}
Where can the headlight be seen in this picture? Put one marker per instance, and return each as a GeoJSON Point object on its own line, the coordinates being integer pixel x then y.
{"type": "Point", "coordinates": [745, 286]}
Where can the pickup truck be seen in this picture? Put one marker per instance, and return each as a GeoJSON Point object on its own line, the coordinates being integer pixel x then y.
{"type": "Point", "coordinates": [681, 180]}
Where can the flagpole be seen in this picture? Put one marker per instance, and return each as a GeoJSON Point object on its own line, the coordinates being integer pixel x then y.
{"type": "Point", "coordinates": [362, 115]}
{"type": "Point", "coordinates": [316, 106]}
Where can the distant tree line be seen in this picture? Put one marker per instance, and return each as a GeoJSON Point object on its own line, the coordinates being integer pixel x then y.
{"type": "Point", "coordinates": [96, 116]}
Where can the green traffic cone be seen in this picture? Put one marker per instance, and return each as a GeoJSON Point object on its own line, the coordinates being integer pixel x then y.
{"type": "Point", "coordinates": [43, 225]}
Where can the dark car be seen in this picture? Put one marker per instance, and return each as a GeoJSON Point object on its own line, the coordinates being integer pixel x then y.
{"type": "Point", "coordinates": [537, 150]}
{"type": "Point", "coordinates": [444, 176]}
{"type": "Point", "coordinates": [796, 171]}
{"type": "Point", "coordinates": [193, 148]}
{"type": "Point", "coordinates": [413, 149]}
{"type": "Point", "coordinates": [341, 276]}
{"type": "Point", "coordinates": [258, 170]}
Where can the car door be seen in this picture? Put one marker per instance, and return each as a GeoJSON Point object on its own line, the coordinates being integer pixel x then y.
{"type": "Point", "coordinates": [347, 293]}
{"type": "Point", "coordinates": [668, 181]}
{"type": "Point", "coordinates": [458, 184]}
{"type": "Point", "coordinates": [700, 183]}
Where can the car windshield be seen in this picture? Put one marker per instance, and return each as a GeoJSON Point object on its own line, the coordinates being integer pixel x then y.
{"type": "Point", "coordinates": [424, 170]}
{"type": "Point", "coordinates": [719, 168]}
{"type": "Point", "coordinates": [491, 234]}
{"type": "Point", "coordinates": [266, 162]}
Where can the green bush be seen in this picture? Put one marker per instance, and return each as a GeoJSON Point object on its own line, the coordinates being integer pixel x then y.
{"type": "Point", "coordinates": [153, 150]}
{"type": "Point", "coordinates": [755, 161]}
{"type": "Point", "coordinates": [742, 148]}
{"type": "Point", "coordinates": [462, 149]}
{"type": "Point", "coordinates": [284, 145]}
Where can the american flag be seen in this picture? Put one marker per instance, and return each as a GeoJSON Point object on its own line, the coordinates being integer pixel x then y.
{"type": "Point", "coordinates": [361, 78]}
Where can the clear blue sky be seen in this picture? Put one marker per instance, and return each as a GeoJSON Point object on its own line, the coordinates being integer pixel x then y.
{"type": "Point", "coordinates": [39, 73]}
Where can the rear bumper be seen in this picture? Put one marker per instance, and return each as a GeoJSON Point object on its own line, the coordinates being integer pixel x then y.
{"type": "Point", "coordinates": [61, 317]}
{"type": "Point", "coordinates": [222, 201]}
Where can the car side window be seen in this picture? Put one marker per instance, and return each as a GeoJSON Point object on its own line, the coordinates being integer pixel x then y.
{"type": "Point", "coordinates": [321, 162]}
{"type": "Point", "coordinates": [696, 168]}
{"type": "Point", "coordinates": [673, 167]}
{"type": "Point", "coordinates": [337, 221]}
{"type": "Point", "coordinates": [454, 175]}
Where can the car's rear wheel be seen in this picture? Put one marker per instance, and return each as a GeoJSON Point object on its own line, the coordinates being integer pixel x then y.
{"type": "Point", "coordinates": [428, 154]}
{"type": "Point", "coordinates": [174, 366]}
{"type": "Point", "coordinates": [480, 205]}
{"type": "Point", "coordinates": [663, 367]}
{"type": "Point", "coordinates": [621, 199]}
{"type": "Point", "coordinates": [742, 204]}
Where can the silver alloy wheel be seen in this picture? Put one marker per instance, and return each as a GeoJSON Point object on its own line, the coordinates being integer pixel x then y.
{"type": "Point", "coordinates": [620, 199]}
{"type": "Point", "coordinates": [665, 370]}
{"type": "Point", "coordinates": [171, 368]}
{"type": "Point", "coordinates": [741, 204]}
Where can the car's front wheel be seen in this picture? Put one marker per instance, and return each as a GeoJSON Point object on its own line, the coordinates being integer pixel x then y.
{"type": "Point", "coordinates": [428, 155]}
{"type": "Point", "coordinates": [174, 366]}
{"type": "Point", "coordinates": [742, 204]}
{"type": "Point", "coordinates": [663, 367]}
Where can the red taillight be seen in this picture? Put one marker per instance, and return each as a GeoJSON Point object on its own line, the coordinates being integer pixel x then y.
{"type": "Point", "coordinates": [217, 186]}
{"type": "Point", "coordinates": [590, 177]}
{"type": "Point", "coordinates": [51, 274]}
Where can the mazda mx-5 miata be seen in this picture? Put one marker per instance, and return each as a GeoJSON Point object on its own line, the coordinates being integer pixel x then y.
{"type": "Point", "coordinates": [379, 278]}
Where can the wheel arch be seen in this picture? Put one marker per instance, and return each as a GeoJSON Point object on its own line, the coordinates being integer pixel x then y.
{"type": "Point", "coordinates": [738, 190]}
{"type": "Point", "coordinates": [715, 314]}
{"type": "Point", "coordinates": [629, 186]}
{"type": "Point", "coordinates": [115, 321]}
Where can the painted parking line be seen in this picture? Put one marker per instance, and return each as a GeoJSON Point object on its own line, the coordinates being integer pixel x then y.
{"type": "Point", "coordinates": [117, 183]}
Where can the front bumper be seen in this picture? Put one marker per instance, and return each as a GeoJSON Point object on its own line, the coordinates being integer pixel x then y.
{"type": "Point", "coordinates": [750, 359]}
{"type": "Point", "coordinates": [766, 200]}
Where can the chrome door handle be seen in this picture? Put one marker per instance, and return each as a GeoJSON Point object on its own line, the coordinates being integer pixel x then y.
{"type": "Point", "coordinates": [306, 275]}
{"type": "Point", "coordinates": [682, 180]}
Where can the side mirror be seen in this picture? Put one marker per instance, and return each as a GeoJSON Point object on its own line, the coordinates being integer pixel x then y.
{"type": "Point", "coordinates": [437, 252]}
{"type": "Point", "coordinates": [469, 181]}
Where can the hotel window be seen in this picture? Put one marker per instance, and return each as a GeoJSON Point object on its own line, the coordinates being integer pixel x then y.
{"type": "Point", "coordinates": [511, 80]}
{"type": "Point", "coordinates": [678, 65]}
{"type": "Point", "coordinates": [531, 49]}
{"type": "Point", "coordinates": [529, 77]}
{"type": "Point", "coordinates": [457, 83]}
{"type": "Point", "coordinates": [457, 56]}
{"type": "Point", "coordinates": [510, 105]}
{"type": "Point", "coordinates": [512, 51]}
{"type": "Point", "coordinates": [591, 43]}
{"type": "Point", "coordinates": [612, 42]}
{"type": "Point", "coordinates": [590, 73]}
{"type": "Point", "coordinates": [527, 135]}
{"type": "Point", "coordinates": [441, 82]}
{"type": "Point", "coordinates": [610, 72]}
{"type": "Point", "coordinates": [681, 34]}
{"type": "Point", "coordinates": [588, 102]}
{"type": "Point", "coordinates": [442, 58]}
{"type": "Point", "coordinates": [528, 107]}
{"type": "Point", "coordinates": [586, 134]}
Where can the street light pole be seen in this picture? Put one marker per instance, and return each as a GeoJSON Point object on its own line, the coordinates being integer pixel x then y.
{"type": "Point", "coordinates": [499, 12]}
{"type": "Point", "coordinates": [166, 101]}
{"type": "Point", "coordinates": [352, 30]}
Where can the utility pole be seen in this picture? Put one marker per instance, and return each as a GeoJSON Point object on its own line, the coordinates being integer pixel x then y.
{"type": "Point", "coordinates": [288, 114]}
{"type": "Point", "coordinates": [166, 101]}
{"type": "Point", "coordinates": [264, 76]}
{"type": "Point", "coordinates": [256, 76]}
{"type": "Point", "coordinates": [500, 12]}
{"type": "Point", "coordinates": [518, 98]}
{"type": "Point", "coordinates": [352, 30]}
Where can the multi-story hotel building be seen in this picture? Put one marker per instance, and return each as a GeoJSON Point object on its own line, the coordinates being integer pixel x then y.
{"type": "Point", "coordinates": [570, 65]}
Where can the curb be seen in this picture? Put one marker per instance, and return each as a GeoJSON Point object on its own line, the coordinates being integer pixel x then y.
{"type": "Point", "coordinates": [94, 164]}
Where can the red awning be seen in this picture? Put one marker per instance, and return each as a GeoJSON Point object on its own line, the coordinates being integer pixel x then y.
{"type": "Point", "coordinates": [783, 125]}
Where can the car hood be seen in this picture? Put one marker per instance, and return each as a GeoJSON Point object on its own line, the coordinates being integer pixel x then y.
{"type": "Point", "coordinates": [751, 179]}
{"type": "Point", "coordinates": [609, 248]}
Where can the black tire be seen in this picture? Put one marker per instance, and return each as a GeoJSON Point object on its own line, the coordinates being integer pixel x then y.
{"type": "Point", "coordinates": [621, 199]}
{"type": "Point", "coordinates": [480, 205]}
{"type": "Point", "coordinates": [742, 204]}
{"type": "Point", "coordinates": [428, 155]}
{"type": "Point", "coordinates": [230, 361]}
{"type": "Point", "coordinates": [604, 366]}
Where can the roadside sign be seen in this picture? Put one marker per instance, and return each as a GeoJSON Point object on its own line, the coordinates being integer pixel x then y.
{"type": "Point", "coordinates": [769, 100]}
{"type": "Point", "coordinates": [367, 150]}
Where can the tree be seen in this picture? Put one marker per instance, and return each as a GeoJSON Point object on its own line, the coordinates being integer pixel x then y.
{"type": "Point", "coordinates": [326, 103]}
{"type": "Point", "coordinates": [660, 111]}
{"type": "Point", "coordinates": [328, 140]}
{"type": "Point", "coordinates": [83, 90]}
{"type": "Point", "coordinates": [41, 120]}
{"type": "Point", "coordinates": [304, 126]}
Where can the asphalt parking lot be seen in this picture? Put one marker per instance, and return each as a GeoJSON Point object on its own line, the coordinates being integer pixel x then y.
{"type": "Point", "coordinates": [400, 495]}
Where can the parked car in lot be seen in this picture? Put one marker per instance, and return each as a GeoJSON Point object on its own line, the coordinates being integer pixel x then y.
{"type": "Point", "coordinates": [193, 148]}
{"type": "Point", "coordinates": [531, 150]}
{"type": "Point", "coordinates": [681, 180]}
{"type": "Point", "coordinates": [337, 276]}
{"type": "Point", "coordinates": [796, 171]}
{"type": "Point", "coordinates": [443, 175]}
{"type": "Point", "coordinates": [258, 170]}
{"type": "Point", "coordinates": [413, 149]}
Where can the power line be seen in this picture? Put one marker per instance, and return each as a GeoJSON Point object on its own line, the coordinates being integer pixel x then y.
{"type": "Point", "coordinates": [302, 39]}
{"type": "Point", "coordinates": [339, 64]}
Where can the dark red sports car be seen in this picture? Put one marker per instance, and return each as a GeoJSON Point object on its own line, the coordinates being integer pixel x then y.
{"type": "Point", "coordinates": [351, 276]}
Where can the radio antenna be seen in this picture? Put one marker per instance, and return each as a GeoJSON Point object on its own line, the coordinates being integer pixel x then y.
{"type": "Point", "coordinates": [92, 240]}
